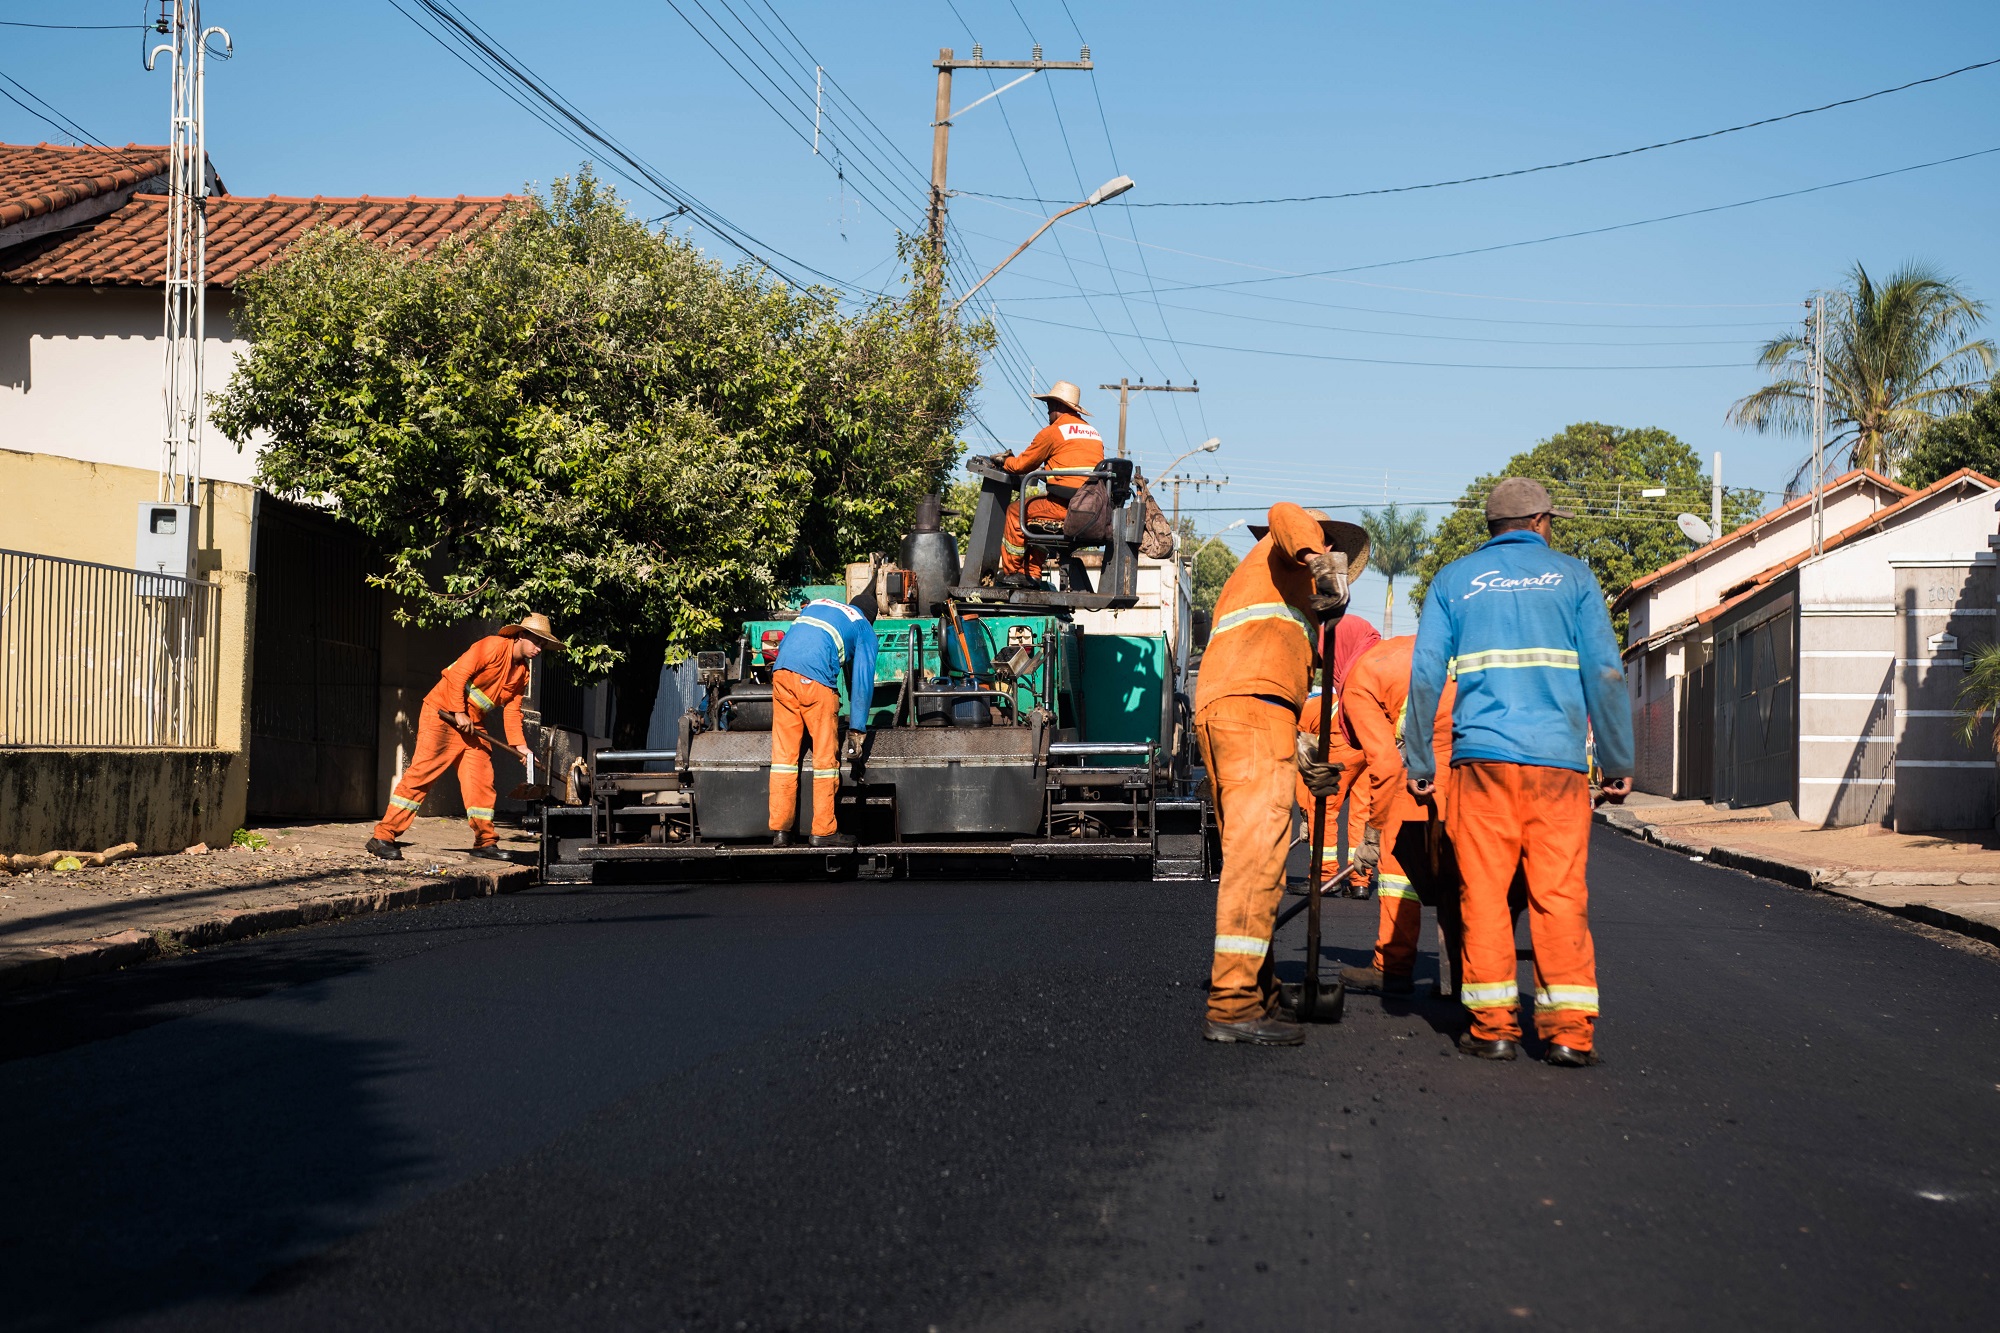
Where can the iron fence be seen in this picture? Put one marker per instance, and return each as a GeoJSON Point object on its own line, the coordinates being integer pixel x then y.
{"type": "Point", "coordinates": [95, 655]}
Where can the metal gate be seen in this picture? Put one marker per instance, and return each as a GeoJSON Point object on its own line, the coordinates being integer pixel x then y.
{"type": "Point", "coordinates": [1756, 750]}
{"type": "Point", "coordinates": [314, 700]}
{"type": "Point", "coordinates": [1696, 780]}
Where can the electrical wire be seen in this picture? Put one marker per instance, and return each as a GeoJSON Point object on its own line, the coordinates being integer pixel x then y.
{"type": "Point", "coordinates": [1549, 166]}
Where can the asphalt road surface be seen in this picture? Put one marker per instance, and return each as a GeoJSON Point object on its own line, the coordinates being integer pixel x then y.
{"type": "Point", "coordinates": [986, 1106]}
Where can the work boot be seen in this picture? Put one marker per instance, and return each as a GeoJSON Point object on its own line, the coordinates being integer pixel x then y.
{"type": "Point", "coordinates": [1019, 581]}
{"type": "Point", "coordinates": [1498, 1049]}
{"type": "Point", "coordinates": [781, 837]}
{"type": "Point", "coordinates": [1369, 981]}
{"type": "Point", "coordinates": [489, 852]}
{"type": "Point", "coordinates": [1267, 1030]}
{"type": "Point", "coordinates": [388, 851]}
{"type": "Point", "coordinates": [1569, 1057]}
{"type": "Point", "coordinates": [833, 839]}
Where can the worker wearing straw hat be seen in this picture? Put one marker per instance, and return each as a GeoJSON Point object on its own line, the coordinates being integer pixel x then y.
{"type": "Point", "coordinates": [1068, 441]}
{"type": "Point", "coordinates": [491, 674]}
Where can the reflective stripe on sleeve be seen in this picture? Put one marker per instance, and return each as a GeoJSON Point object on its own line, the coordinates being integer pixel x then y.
{"type": "Point", "coordinates": [1496, 659]}
{"type": "Point", "coordinates": [1396, 886]}
{"type": "Point", "coordinates": [1490, 994]}
{"type": "Point", "coordinates": [479, 699]}
{"type": "Point", "coordinates": [839, 644]}
{"type": "Point", "coordinates": [404, 802]}
{"type": "Point", "coordinates": [1575, 999]}
{"type": "Point", "coordinates": [479, 812]}
{"type": "Point", "coordinates": [1256, 611]}
{"type": "Point", "coordinates": [1245, 944]}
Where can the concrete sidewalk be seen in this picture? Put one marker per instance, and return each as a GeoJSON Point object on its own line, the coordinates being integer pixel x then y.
{"type": "Point", "coordinates": [1950, 880]}
{"type": "Point", "coordinates": [56, 925]}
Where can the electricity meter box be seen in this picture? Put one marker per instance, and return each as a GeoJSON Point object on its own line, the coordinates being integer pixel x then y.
{"type": "Point", "coordinates": [166, 540]}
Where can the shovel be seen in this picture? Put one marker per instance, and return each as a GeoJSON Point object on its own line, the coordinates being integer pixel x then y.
{"type": "Point", "coordinates": [1316, 1003]}
{"type": "Point", "coordinates": [530, 790]}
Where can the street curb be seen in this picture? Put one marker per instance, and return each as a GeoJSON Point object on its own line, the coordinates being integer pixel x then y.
{"type": "Point", "coordinates": [1838, 883]}
{"type": "Point", "coordinates": [34, 967]}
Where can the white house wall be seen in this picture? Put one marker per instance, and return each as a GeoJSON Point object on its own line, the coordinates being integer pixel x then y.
{"type": "Point", "coordinates": [81, 372]}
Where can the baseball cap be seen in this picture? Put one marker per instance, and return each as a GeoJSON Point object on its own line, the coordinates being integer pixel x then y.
{"type": "Point", "coordinates": [1521, 497]}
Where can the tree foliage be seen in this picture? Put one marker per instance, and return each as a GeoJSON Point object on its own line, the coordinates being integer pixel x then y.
{"type": "Point", "coordinates": [1964, 439]}
{"type": "Point", "coordinates": [1598, 471]}
{"type": "Point", "coordinates": [1899, 354]}
{"type": "Point", "coordinates": [1396, 542]}
{"type": "Point", "coordinates": [575, 415]}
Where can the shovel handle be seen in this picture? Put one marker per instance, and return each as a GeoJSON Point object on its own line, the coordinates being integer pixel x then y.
{"type": "Point", "coordinates": [1310, 993]}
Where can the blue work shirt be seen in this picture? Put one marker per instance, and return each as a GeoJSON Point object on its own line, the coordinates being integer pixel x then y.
{"type": "Point", "coordinates": [826, 637]}
{"type": "Point", "coordinates": [1525, 631]}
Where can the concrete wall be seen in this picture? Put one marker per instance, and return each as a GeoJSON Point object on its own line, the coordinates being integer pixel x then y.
{"type": "Point", "coordinates": [52, 504]}
{"type": "Point", "coordinates": [88, 800]}
{"type": "Point", "coordinates": [81, 371]}
{"type": "Point", "coordinates": [1944, 610]}
{"type": "Point", "coordinates": [1847, 715]}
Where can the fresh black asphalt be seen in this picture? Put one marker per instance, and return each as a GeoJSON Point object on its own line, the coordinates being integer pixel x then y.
{"type": "Point", "coordinates": [979, 1105]}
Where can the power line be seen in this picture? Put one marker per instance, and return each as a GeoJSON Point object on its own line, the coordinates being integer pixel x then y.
{"type": "Point", "coordinates": [1381, 361]}
{"type": "Point", "coordinates": [1530, 171]}
{"type": "Point", "coordinates": [77, 27]}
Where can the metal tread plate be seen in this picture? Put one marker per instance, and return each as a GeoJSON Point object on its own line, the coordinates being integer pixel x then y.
{"type": "Point", "coordinates": [1053, 850]}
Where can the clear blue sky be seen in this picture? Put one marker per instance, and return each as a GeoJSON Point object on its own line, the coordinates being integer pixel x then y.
{"type": "Point", "coordinates": [1200, 101]}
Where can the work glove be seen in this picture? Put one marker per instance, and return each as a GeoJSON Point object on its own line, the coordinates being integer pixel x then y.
{"type": "Point", "coordinates": [1368, 856]}
{"type": "Point", "coordinates": [850, 749]}
{"type": "Point", "coordinates": [1329, 576]}
{"type": "Point", "coordinates": [1322, 778]}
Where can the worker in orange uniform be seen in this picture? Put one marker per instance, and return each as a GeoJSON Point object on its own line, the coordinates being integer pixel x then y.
{"type": "Point", "coordinates": [805, 704]}
{"type": "Point", "coordinates": [1525, 632]}
{"type": "Point", "coordinates": [1068, 441]}
{"type": "Point", "coordinates": [1353, 636]}
{"type": "Point", "coordinates": [1253, 683]}
{"type": "Point", "coordinates": [1398, 842]}
{"type": "Point", "coordinates": [492, 673]}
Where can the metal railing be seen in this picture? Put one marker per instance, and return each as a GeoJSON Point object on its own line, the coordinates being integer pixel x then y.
{"type": "Point", "coordinates": [95, 655]}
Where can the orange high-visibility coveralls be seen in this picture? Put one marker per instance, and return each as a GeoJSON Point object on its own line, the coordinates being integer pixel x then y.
{"type": "Point", "coordinates": [1351, 790]}
{"type": "Point", "coordinates": [1068, 441]}
{"type": "Point", "coordinates": [1253, 681]}
{"type": "Point", "coordinates": [485, 677]}
{"type": "Point", "coordinates": [1372, 703]}
{"type": "Point", "coordinates": [801, 706]}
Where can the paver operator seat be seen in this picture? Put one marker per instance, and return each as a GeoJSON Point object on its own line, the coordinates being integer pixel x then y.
{"type": "Point", "coordinates": [1118, 583]}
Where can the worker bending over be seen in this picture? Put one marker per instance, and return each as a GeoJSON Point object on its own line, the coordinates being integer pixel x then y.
{"type": "Point", "coordinates": [1353, 636]}
{"type": "Point", "coordinates": [492, 673]}
{"type": "Point", "coordinates": [1525, 631]}
{"type": "Point", "coordinates": [827, 638]}
{"type": "Point", "coordinates": [1404, 841]}
{"type": "Point", "coordinates": [1253, 682]}
{"type": "Point", "coordinates": [1068, 441]}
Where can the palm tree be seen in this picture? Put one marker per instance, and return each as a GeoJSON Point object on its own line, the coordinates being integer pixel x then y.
{"type": "Point", "coordinates": [1898, 355]}
{"type": "Point", "coordinates": [1396, 542]}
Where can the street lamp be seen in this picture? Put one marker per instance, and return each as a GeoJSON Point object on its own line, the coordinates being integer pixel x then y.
{"type": "Point", "coordinates": [1111, 189]}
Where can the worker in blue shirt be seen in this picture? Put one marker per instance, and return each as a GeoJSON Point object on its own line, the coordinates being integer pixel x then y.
{"type": "Point", "coordinates": [827, 638]}
{"type": "Point", "coordinates": [1524, 631]}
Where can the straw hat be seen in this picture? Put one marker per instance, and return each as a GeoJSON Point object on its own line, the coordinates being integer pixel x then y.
{"type": "Point", "coordinates": [1064, 394]}
{"type": "Point", "coordinates": [536, 626]}
{"type": "Point", "coordinates": [1350, 538]}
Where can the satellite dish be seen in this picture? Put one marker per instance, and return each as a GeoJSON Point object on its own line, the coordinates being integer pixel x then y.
{"type": "Point", "coordinates": [1696, 529]}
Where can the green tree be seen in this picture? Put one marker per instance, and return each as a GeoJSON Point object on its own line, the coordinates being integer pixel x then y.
{"type": "Point", "coordinates": [1598, 471]}
{"type": "Point", "coordinates": [1964, 439]}
{"type": "Point", "coordinates": [1214, 562]}
{"type": "Point", "coordinates": [575, 415]}
{"type": "Point", "coordinates": [1899, 354]}
{"type": "Point", "coordinates": [1396, 541]}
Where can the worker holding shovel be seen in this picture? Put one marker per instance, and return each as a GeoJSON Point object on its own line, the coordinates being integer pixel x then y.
{"type": "Point", "coordinates": [492, 673]}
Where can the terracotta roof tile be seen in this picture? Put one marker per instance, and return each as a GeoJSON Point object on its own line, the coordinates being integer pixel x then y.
{"type": "Point", "coordinates": [41, 178]}
{"type": "Point", "coordinates": [1734, 535]}
{"type": "Point", "coordinates": [128, 247]}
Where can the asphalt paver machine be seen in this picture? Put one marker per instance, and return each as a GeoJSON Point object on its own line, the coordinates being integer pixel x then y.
{"type": "Point", "coordinates": [1005, 737]}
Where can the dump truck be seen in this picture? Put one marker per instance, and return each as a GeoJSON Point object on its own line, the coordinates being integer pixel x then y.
{"type": "Point", "coordinates": [1040, 731]}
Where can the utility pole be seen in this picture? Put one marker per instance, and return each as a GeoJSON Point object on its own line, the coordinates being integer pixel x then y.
{"type": "Point", "coordinates": [187, 246]}
{"type": "Point", "coordinates": [1819, 423]}
{"type": "Point", "coordinates": [941, 124]}
{"type": "Point", "coordinates": [1715, 498]}
{"type": "Point", "coordinates": [1126, 388]}
{"type": "Point", "coordinates": [1197, 482]}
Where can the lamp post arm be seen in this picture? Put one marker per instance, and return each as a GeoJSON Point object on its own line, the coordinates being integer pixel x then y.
{"type": "Point", "coordinates": [956, 305]}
